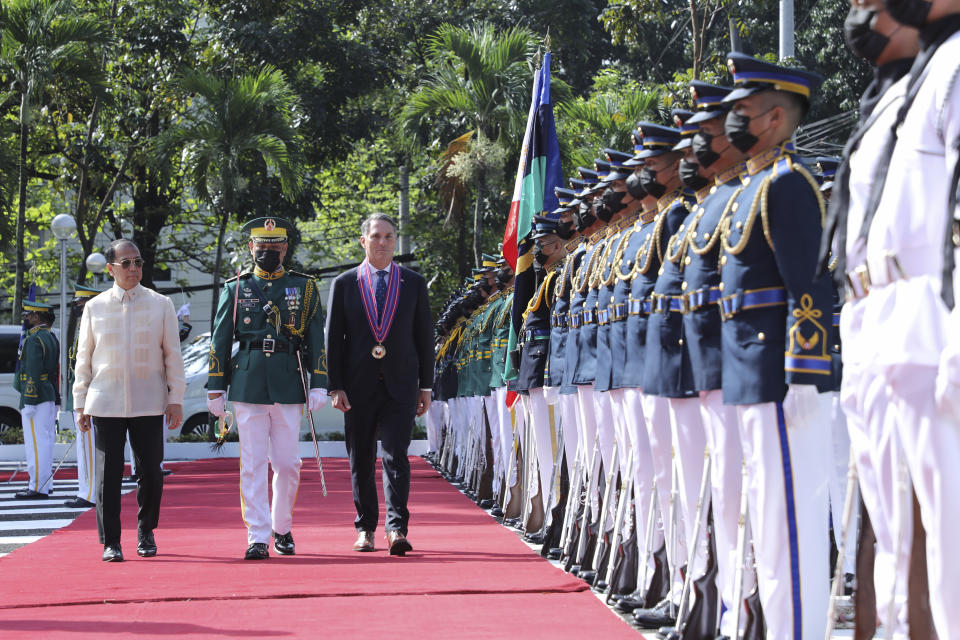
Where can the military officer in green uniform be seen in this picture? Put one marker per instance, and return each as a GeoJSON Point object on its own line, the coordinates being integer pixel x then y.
{"type": "Point", "coordinates": [274, 314]}
{"type": "Point", "coordinates": [37, 380]}
{"type": "Point", "coordinates": [86, 450]}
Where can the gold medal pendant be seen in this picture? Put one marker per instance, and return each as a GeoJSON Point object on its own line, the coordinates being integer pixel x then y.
{"type": "Point", "coordinates": [378, 352]}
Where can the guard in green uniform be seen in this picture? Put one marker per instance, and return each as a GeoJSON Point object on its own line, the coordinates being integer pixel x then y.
{"type": "Point", "coordinates": [37, 381]}
{"type": "Point", "coordinates": [86, 452]}
{"type": "Point", "coordinates": [276, 317]}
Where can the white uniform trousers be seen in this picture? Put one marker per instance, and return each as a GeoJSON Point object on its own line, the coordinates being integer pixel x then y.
{"type": "Point", "coordinates": [872, 425]}
{"type": "Point", "coordinates": [840, 439]}
{"type": "Point", "coordinates": [39, 435]}
{"type": "Point", "coordinates": [726, 460]}
{"type": "Point", "coordinates": [656, 414]}
{"type": "Point", "coordinates": [606, 435]}
{"type": "Point", "coordinates": [628, 403]}
{"type": "Point", "coordinates": [86, 464]}
{"type": "Point", "coordinates": [689, 445]}
{"type": "Point", "coordinates": [931, 444]}
{"type": "Point", "coordinates": [434, 420]}
{"type": "Point", "coordinates": [268, 432]}
{"type": "Point", "coordinates": [590, 437]}
{"type": "Point", "coordinates": [545, 442]}
{"type": "Point", "coordinates": [493, 415]}
{"type": "Point", "coordinates": [570, 423]}
{"type": "Point", "coordinates": [783, 447]}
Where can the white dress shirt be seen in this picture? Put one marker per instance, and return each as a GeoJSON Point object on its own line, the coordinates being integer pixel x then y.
{"type": "Point", "coordinates": [128, 355]}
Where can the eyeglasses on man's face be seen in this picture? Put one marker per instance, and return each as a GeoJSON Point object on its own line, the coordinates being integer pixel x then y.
{"type": "Point", "coordinates": [127, 263]}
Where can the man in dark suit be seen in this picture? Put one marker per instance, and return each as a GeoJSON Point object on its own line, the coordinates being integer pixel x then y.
{"type": "Point", "coordinates": [380, 372]}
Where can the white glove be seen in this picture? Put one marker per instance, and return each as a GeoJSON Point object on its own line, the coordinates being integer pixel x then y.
{"type": "Point", "coordinates": [318, 398]}
{"type": "Point", "coordinates": [28, 411]}
{"type": "Point", "coordinates": [551, 394]}
{"type": "Point", "coordinates": [217, 405]}
{"type": "Point", "coordinates": [802, 405]}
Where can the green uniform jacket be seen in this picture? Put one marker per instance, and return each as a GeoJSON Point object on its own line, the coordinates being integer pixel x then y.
{"type": "Point", "coordinates": [255, 376]}
{"type": "Point", "coordinates": [38, 375]}
{"type": "Point", "coordinates": [71, 366]}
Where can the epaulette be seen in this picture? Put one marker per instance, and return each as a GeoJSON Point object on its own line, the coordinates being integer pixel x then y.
{"type": "Point", "coordinates": [596, 236]}
{"type": "Point", "coordinates": [245, 274]}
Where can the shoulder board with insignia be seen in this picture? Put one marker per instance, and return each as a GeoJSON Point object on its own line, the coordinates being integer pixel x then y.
{"type": "Point", "coordinates": [302, 275]}
{"type": "Point", "coordinates": [245, 274]}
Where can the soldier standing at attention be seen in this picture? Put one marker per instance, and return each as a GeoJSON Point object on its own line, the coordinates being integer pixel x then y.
{"type": "Point", "coordinates": [777, 310]}
{"type": "Point", "coordinates": [86, 449]}
{"type": "Point", "coordinates": [273, 313]}
{"type": "Point", "coordinates": [36, 380]}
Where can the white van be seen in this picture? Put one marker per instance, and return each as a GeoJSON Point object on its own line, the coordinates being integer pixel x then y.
{"type": "Point", "coordinates": [9, 397]}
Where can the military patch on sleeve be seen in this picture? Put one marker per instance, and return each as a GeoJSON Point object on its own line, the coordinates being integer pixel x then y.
{"type": "Point", "coordinates": [808, 345]}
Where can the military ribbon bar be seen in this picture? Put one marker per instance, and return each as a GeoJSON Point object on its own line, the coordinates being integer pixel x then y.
{"type": "Point", "coordinates": [379, 328]}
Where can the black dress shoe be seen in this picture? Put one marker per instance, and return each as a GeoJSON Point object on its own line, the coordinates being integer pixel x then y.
{"type": "Point", "coordinates": [112, 553]}
{"type": "Point", "coordinates": [78, 503]}
{"type": "Point", "coordinates": [534, 538]}
{"type": "Point", "coordinates": [166, 472]}
{"type": "Point", "coordinates": [496, 512]}
{"type": "Point", "coordinates": [554, 553]}
{"type": "Point", "coordinates": [257, 551]}
{"type": "Point", "coordinates": [146, 545]}
{"type": "Point", "coordinates": [30, 494]}
{"type": "Point", "coordinates": [654, 618]}
{"type": "Point", "coordinates": [283, 543]}
{"type": "Point", "coordinates": [486, 503]}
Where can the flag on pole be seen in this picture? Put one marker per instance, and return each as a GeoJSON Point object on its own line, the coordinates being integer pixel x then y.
{"type": "Point", "coordinates": [538, 173]}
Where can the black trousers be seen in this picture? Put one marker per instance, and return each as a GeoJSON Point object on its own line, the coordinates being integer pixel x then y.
{"type": "Point", "coordinates": [394, 420]}
{"type": "Point", "coordinates": [146, 440]}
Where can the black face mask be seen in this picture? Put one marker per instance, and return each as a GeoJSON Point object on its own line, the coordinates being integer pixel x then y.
{"type": "Point", "coordinates": [701, 142]}
{"type": "Point", "coordinates": [539, 256]}
{"type": "Point", "coordinates": [909, 12]}
{"type": "Point", "coordinates": [584, 217]}
{"type": "Point", "coordinates": [635, 187]}
{"type": "Point", "coordinates": [690, 175]}
{"type": "Point", "coordinates": [863, 41]}
{"type": "Point", "coordinates": [737, 128]}
{"type": "Point", "coordinates": [613, 200]}
{"type": "Point", "coordinates": [565, 230]}
{"type": "Point", "coordinates": [503, 277]}
{"type": "Point", "coordinates": [487, 287]}
{"type": "Point", "coordinates": [648, 179]}
{"type": "Point", "coordinates": [267, 259]}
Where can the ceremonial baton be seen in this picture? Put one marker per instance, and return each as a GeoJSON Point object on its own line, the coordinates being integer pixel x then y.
{"type": "Point", "coordinates": [313, 430]}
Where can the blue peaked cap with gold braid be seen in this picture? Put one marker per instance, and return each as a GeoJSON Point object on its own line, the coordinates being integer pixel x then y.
{"type": "Point", "coordinates": [752, 75]}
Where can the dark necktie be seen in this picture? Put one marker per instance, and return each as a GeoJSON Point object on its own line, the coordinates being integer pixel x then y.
{"type": "Point", "coordinates": [381, 292]}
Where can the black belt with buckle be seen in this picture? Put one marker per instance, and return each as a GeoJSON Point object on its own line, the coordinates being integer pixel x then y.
{"type": "Point", "coordinates": [267, 345]}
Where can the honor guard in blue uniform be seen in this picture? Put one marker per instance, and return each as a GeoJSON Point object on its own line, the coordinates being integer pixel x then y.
{"type": "Point", "coordinates": [535, 353]}
{"type": "Point", "coordinates": [276, 317]}
{"type": "Point", "coordinates": [723, 163]}
{"type": "Point", "coordinates": [36, 379]}
{"type": "Point", "coordinates": [86, 450]}
{"type": "Point", "coordinates": [559, 326]}
{"type": "Point", "coordinates": [776, 310]}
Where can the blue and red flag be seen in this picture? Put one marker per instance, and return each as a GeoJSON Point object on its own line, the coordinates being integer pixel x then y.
{"type": "Point", "coordinates": [538, 173]}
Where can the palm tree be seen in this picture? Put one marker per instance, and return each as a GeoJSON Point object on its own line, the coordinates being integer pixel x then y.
{"type": "Point", "coordinates": [234, 121]}
{"type": "Point", "coordinates": [607, 120]}
{"type": "Point", "coordinates": [478, 84]}
{"type": "Point", "coordinates": [43, 42]}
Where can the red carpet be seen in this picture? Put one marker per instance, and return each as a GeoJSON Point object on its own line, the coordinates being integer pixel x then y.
{"type": "Point", "coordinates": [468, 576]}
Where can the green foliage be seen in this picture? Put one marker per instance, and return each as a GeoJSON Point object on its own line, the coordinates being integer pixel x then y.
{"type": "Point", "coordinates": [13, 435]}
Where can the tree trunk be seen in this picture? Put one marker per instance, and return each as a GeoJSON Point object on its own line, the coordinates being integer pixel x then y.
{"type": "Point", "coordinates": [21, 214]}
{"type": "Point", "coordinates": [478, 218]}
{"type": "Point", "coordinates": [697, 40]}
{"type": "Point", "coordinates": [462, 267]}
{"type": "Point", "coordinates": [216, 267]}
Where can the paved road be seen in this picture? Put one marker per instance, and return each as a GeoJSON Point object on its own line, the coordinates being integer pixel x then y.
{"type": "Point", "coordinates": [26, 521]}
